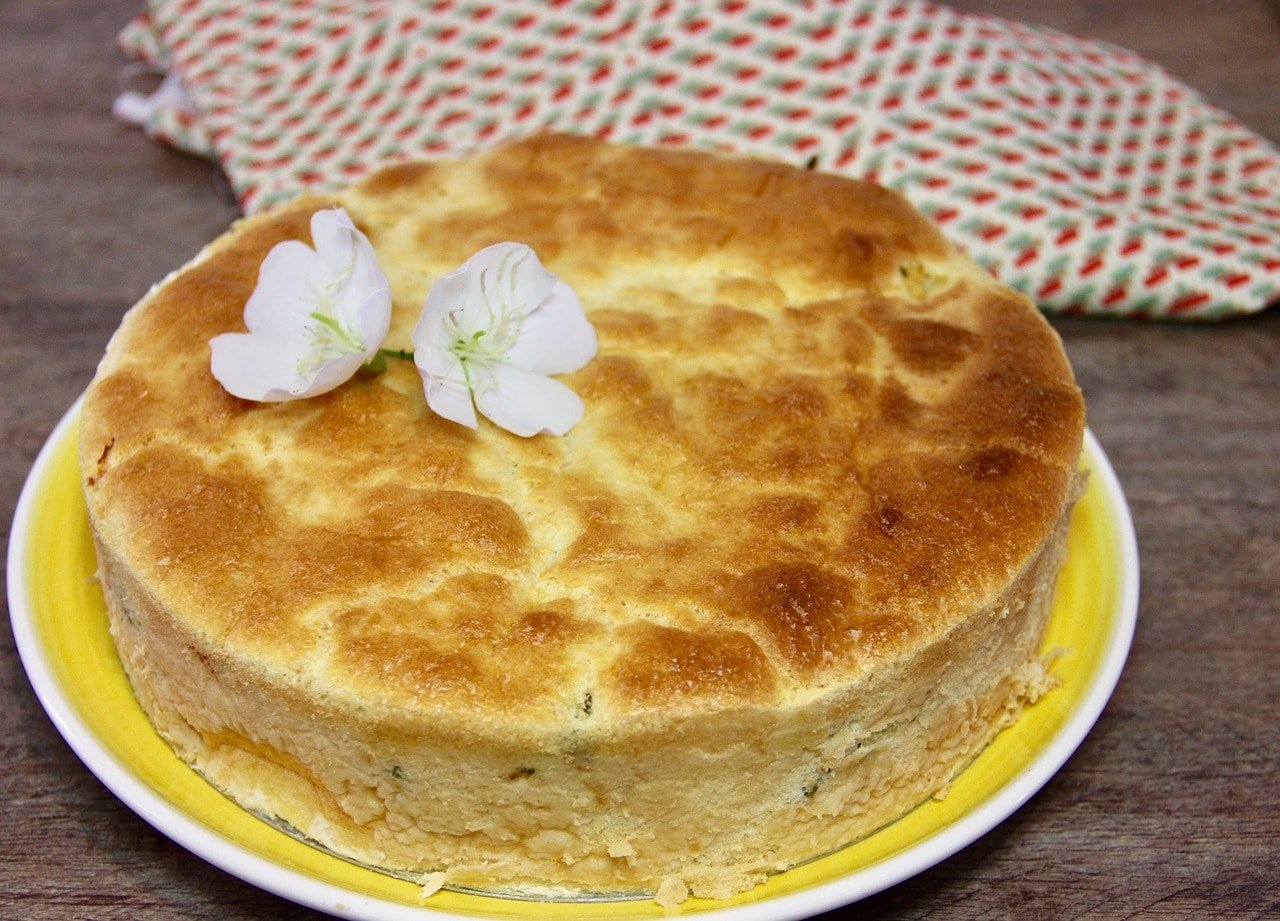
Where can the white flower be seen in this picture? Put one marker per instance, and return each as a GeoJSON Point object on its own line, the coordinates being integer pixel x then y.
{"type": "Point", "coordinates": [492, 331]}
{"type": "Point", "coordinates": [315, 317]}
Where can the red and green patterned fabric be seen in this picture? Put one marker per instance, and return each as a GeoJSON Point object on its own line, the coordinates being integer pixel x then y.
{"type": "Point", "coordinates": [1077, 172]}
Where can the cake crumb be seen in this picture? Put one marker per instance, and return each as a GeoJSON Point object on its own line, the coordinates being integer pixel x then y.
{"type": "Point", "coordinates": [431, 883]}
{"type": "Point", "coordinates": [621, 849]}
{"type": "Point", "coordinates": [671, 892]}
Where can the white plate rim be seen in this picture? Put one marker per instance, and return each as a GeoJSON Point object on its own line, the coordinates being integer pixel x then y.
{"type": "Point", "coordinates": [304, 890]}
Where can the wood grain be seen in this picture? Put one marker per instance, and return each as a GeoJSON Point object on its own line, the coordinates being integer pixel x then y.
{"type": "Point", "coordinates": [1170, 809]}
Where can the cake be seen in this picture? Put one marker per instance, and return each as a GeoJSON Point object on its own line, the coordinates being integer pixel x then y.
{"type": "Point", "coordinates": [786, 578]}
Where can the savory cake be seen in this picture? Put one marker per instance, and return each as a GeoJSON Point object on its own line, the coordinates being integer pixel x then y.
{"type": "Point", "coordinates": [786, 577]}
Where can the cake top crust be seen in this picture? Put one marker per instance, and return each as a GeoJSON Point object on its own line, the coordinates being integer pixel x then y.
{"type": "Point", "coordinates": [815, 437]}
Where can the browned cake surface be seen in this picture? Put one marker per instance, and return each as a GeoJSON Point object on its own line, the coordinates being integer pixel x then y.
{"type": "Point", "coordinates": [812, 436]}
{"type": "Point", "coordinates": [816, 440]}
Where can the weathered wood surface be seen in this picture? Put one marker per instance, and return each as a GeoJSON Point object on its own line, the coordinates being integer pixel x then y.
{"type": "Point", "coordinates": [1171, 808]}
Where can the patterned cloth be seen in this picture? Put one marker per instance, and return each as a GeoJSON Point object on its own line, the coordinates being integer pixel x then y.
{"type": "Point", "coordinates": [1077, 172]}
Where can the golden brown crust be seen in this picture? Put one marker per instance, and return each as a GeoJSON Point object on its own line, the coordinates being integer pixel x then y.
{"type": "Point", "coordinates": [885, 460]}
{"type": "Point", "coordinates": [817, 441]}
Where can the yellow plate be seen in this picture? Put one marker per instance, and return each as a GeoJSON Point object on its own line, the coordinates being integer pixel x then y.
{"type": "Point", "coordinates": [61, 627]}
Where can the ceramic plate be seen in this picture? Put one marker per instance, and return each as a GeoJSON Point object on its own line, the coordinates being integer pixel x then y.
{"type": "Point", "coordinates": [61, 629]}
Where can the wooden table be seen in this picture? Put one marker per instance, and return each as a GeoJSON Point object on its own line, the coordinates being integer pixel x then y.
{"type": "Point", "coordinates": [1170, 809]}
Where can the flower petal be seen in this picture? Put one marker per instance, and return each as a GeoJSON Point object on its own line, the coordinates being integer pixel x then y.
{"type": "Point", "coordinates": [256, 367]}
{"type": "Point", "coordinates": [333, 373]}
{"type": "Point", "coordinates": [447, 392]}
{"type": "Point", "coordinates": [266, 369]}
{"type": "Point", "coordinates": [284, 295]}
{"type": "Point", "coordinates": [373, 319]}
{"type": "Point", "coordinates": [525, 403]}
{"type": "Point", "coordinates": [363, 296]}
{"type": "Point", "coordinates": [556, 336]}
{"type": "Point", "coordinates": [516, 270]}
{"type": "Point", "coordinates": [445, 295]}
{"type": "Point", "coordinates": [332, 233]}
{"type": "Point", "coordinates": [505, 279]}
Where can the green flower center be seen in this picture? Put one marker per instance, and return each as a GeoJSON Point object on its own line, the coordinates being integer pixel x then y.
{"type": "Point", "coordinates": [496, 336]}
{"type": "Point", "coordinates": [330, 337]}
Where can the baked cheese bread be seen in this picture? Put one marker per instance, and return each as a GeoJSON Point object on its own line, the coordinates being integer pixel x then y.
{"type": "Point", "coordinates": [787, 576]}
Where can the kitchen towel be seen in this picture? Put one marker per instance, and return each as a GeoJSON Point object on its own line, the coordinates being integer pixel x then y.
{"type": "Point", "coordinates": [1077, 172]}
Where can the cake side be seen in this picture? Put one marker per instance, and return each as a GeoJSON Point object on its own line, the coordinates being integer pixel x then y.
{"type": "Point", "coordinates": [716, 804]}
